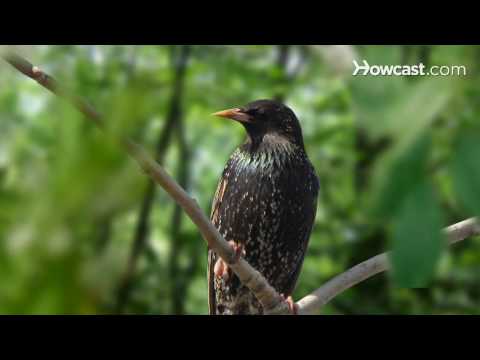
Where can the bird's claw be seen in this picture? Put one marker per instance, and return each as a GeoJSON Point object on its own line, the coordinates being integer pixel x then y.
{"type": "Point", "coordinates": [238, 249]}
{"type": "Point", "coordinates": [221, 268]}
{"type": "Point", "coordinates": [292, 306]}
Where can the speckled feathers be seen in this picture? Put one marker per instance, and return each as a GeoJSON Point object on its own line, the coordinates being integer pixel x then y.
{"type": "Point", "coordinates": [266, 201]}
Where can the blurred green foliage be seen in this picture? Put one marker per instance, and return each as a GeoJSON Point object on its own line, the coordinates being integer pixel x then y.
{"type": "Point", "coordinates": [397, 159]}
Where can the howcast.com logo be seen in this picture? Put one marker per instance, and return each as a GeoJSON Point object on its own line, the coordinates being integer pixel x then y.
{"type": "Point", "coordinates": [407, 70]}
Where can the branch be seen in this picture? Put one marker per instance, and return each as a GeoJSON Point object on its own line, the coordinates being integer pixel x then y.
{"type": "Point", "coordinates": [51, 84]}
{"type": "Point", "coordinates": [142, 229]}
{"type": "Point", "coordinates": [377, 264]}
{"type": "Point", "coordinates": [268, 297]}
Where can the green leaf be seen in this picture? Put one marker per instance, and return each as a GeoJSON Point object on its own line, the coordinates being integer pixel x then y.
{"type": "Point", "coordinates": [419, 108]}
{"type": "Point", "coordinates": [466, 170]}
{"type": "Point", "coordinates": [393, 107]}
{"type": "Point", "coordinates": [400, 173]}
{"type": "Point", "coordinates": [417, 238]}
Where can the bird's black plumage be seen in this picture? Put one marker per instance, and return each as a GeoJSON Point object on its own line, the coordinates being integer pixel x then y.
{"type": "Point", "coordinates": [266, 201]}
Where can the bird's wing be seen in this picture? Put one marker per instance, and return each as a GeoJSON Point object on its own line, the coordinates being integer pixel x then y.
{"type": "Point", "coordinates": [294, 277]}
{"type": "Point", "coordinates": [307, 232]}
{"type": "Point", "coordinates": [217, 201]}
{"type": "Point", "coordinates": [210, 279]}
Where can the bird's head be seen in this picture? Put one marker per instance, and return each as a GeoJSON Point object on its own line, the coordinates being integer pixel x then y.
{"type": "Point", "coordinates": [266, 117]}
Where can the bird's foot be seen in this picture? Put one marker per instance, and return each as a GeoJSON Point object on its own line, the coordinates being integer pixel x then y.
{"type": "Point", "coordinates": [221, 268]}
{"type": "Point", "coordinates": [292, 306]}
{"type": "Point", "coordinates": [239, 250]}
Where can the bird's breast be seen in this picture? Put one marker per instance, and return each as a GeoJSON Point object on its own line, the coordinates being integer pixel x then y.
{"type": "Point", "coordinates": [267, 202]}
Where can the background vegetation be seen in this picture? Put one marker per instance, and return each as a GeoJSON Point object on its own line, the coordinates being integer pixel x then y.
{"type": "Point", "coordinates": [83, 231]}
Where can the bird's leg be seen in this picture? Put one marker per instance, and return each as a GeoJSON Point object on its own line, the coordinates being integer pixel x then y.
{"type": "Point", "coordinates": [293, 307]}
{"type": "Point", "coordinates": [221, 268]}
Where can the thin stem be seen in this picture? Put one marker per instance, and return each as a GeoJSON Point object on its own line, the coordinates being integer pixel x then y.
{"type": "Point", "coordinates": [375, 265]}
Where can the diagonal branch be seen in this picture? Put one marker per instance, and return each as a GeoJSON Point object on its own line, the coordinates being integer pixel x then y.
{"type": "Point", "coordinates": [51, 84]}
{"type": "Point", "coordinates": [271, 301]}
{"type": "Point", "coordinates": [377, 264]}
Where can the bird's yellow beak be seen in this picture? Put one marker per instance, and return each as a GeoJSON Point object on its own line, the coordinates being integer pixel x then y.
{"type": "Point", "coordinates": [234, 114]}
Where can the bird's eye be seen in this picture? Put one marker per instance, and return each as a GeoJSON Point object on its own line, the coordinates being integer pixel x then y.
{"type": "Point", "coordinates": [258, 111]}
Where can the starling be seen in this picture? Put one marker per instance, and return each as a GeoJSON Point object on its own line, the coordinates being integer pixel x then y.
{"type": "Point", "coordinates": [264, 206]}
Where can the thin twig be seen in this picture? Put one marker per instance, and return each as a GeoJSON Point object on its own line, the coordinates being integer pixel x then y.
{"type": "Point", "coordinates": [377, 264]}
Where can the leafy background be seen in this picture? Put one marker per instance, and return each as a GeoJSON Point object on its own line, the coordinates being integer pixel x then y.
{"type": "Point", "coordinates": [82, 230]}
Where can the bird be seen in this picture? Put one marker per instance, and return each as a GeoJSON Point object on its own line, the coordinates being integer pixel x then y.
{"type": "Point", "coordinates": [264, 206]}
